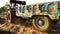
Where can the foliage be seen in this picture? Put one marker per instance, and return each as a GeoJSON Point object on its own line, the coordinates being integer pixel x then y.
{"type": "Point", "coordinates": [3, 9]}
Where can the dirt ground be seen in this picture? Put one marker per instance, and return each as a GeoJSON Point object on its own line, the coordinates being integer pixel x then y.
{"type": "Point", "coordinates": [32, 30]}
{"type": "Point", "coordinates": [24, 28]}
{"type": "Point", "coordinates": [29, 29]}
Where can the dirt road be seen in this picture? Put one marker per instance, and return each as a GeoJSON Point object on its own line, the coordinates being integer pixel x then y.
{"type": "Point", "coordinates": [24, 28]}
{"type": "Point", "coordinates": [29, 29]}
{"type": "Point", "coordinates": [32, 30]}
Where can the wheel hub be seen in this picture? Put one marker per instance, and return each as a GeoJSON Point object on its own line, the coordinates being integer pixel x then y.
{"type": "Point", "coordinates": [40, 23]}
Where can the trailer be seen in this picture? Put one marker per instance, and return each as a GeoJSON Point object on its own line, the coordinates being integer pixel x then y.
{"type": "Point", "coordinates": [42, 15]}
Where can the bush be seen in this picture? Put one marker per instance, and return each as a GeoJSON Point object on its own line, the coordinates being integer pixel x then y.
{"type": "Point", "coordinates": [3, 9]}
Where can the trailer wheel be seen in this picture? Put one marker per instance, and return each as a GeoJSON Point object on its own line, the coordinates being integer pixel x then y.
{"type": "Point", "coordinates": [42, 23]}
{"type": "Point", "coordinates": [10, 17]}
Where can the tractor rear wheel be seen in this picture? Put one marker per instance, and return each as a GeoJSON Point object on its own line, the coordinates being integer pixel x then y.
{"type": "Point", "coordinates": [42, 23]}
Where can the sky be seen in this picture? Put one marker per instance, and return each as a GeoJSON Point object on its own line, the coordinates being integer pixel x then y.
{"type": "Point", "coordinates": [3, 2]}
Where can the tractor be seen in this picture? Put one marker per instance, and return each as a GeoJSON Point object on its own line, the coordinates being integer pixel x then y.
{"type": "Point", "coordinates": [42, 15]}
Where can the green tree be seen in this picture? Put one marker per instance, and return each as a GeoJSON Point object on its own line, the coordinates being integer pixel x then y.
{"type": "Point", "coordinates": [3, 9]}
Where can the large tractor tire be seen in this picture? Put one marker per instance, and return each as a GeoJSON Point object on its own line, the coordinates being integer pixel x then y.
{"type": "Point", "coordinates": [10, 17]}
{"type": "Point", "coordinates": [42, 23]}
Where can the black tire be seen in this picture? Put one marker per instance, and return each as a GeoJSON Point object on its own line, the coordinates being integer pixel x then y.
{"type": "Point", "coordinates": [42, 24]}
{"type": "Point", "coordinates": [11, 15]}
